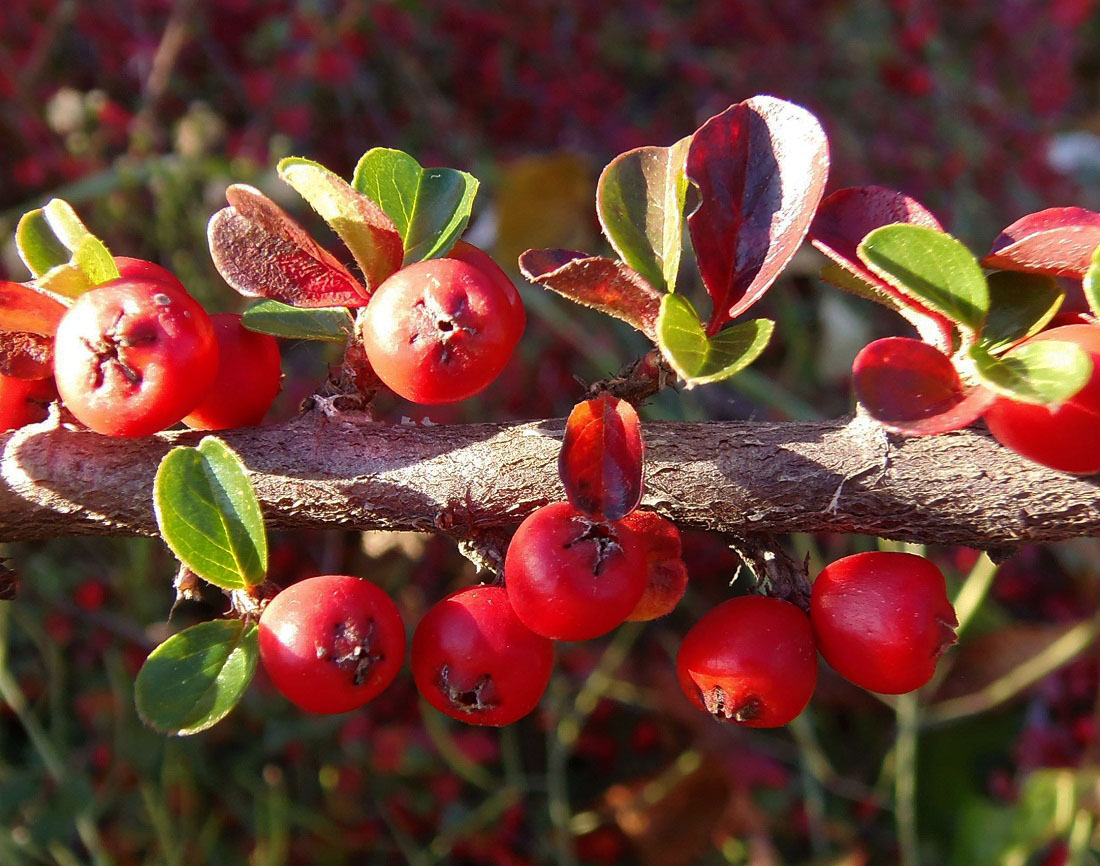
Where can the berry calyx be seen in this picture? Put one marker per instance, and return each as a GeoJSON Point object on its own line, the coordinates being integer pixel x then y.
{"type": "Point", "coordinates": [751, 660]}
{"type": "Point", "coordinates": [474, 660]}
{"type": "Point", "coordinates": [248, 380]}
{"type": "Point", "coordinates": [331, 643]}
{"type": "Point", "coordinates": [1065, 437]}
{"type": "Point", "coordinates": [573, 577]}
{"type": "Point", "coordinates": [882, 619]}
{"type": "Point", "coordinates": [133, 356]}
{"type": "Point", "coordinates": [438, 331]}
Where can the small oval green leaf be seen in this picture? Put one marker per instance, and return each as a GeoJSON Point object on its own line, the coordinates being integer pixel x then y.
{"type": "Point", "coordinates": [38, 246]}
{"type": "Point", "coordinates": [1091, 283]}
{"type": "Point", "coordinates": [1020, 305]}
{"type": "Point", "coordinates": [192, 680]}
{"type": "Point", "coordinates": [53, 237]}
{"type": "Point", "coordinates": [1045, 372]}
{"type": "Point", "coordinates": [209, 515]}
{"type": "Point", "coordinates": [333, 324]}
{"type": "Point", "coordinates": [932, 267]}
{"type": "Point", "coordinates": [700, 360]}
{"type": "Point", "coordinates": [429, 206]}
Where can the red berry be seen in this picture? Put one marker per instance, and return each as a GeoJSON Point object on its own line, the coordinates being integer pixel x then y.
{"type": "Point", "coordinates": [248, 380]}
{"type": "Point", "coordinates": [331, 643]}
{"type": "Point", "coordinates": [24, 401]}
{"type": "Point", "coordinates": [750, 660]}
{"type": "Point", "coordinates": [438, 331]}
{"type": "Point", "coordinates": [475, 661]}
{"type": "Point", "coordinates": [573, 577]}
{"type": "Point", "coordinates": [1065, 437]}
{"type": "Point", "coordinates": [481, 260]}
{"type": "Point", "coordinates": [882, 619]}
{"type": "Point", "coordinates": [133, 356]}
{"type": "Point", "coordinates": [666, 574]}
{"type": "Point", "coordinates": [140, 269]}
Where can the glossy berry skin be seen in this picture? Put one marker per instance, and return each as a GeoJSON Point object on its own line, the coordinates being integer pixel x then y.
{"type": "Point", "coordinates": [573, 577]}
{"type": "Point", "coordinates": [140, 269]}
{"type": "Point", "coordinates": [1065, 437]}
{"type": "Point", "coordinates": [133, 356]}
{"type": "Point", "coordinates": [331, 643]}
{"type": "Point", "coordinates": [750, 660]}
{"type": "Point", "coordinates": [24, 401]}
{"type": "Point", "coordinates": [882, 619]}
{"type": "Point", "coordinates": [248, 380]}
{"type": "Point", "coordinates": [481, 260]}
{"type": "Point", "coordinates": [438, 331]}
{"type": "Point", "coordinates": [475, 661]}
{"type": "Point", "coordinates": [666, 573]}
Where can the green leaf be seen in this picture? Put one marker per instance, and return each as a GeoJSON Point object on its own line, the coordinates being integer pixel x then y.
{"type": "Point", "coordinates": [209, 515]}
{"type": "Point", "coordinates": [361, 224]}
{"type": "Point", "coordinates": [38, 246]}
{"type": "Point", "coordinates": [698, 359]}
{"type": "Point", "coordinates": [1046, 372]}
{"type": "Point", "coordinates": [296, 323]}
{"type": "Point", "coordinates": [53, 236]}
{"type": "Point", "coordinates": [1091, 283]}
{"type": "Point", "coordinates": [640, 200]}
{"type": "Point", "coordinates": [192, 680]}
{"type": "Point", "coordinates": [932, 267]}
{"type": "Point", "coordinates": [430, 207]}
{"type": "Point", "coordinates": [1020, 305]}
{"type": "Point", "coordinates": [66, 281]}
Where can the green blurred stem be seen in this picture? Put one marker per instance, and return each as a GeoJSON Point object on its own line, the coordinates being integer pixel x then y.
{"type": "Point", "coordinates": [905, 778]}
{"type": "Point", "coordinates": [813, 767]}
{"type": "Point", "coordinates": [557, 756]}
{"type": "Point", "coordinates": [974, 590]}
{"type": "Point", "coordinates": [436, 727]}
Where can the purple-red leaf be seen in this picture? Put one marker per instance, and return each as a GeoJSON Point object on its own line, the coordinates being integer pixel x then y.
{"type": "Point", "coordinates": [24, 309]}
{"type": "Point", "coordinates": [600, 462]}
{"type": "Point", "coordinates": [604, 284]}
{"type": "Point", "coordinates": [912, 388]}
{"type": "Point", "coordinates": [1058, 241]}
{"type": "Point", "coordinates": [760, 167]}
{"type": "Point", "coordinates": [262, 252]}
{"type": "Point", "coordinates": [846, 217]}
{"type": "Point", "coordinates": [26, 356]}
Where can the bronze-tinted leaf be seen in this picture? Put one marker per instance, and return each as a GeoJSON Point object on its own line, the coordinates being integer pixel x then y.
{"type": "Point", "coordinates": [1058, 241]}
{"type": "Point", "coordinates": [262, 252]}
{"type": "Point", "coordinates": [600, 462]}
{"type": "Point", "coordinates": [26, 356]}
{"type": "Point", "coordinates": [24, 309]}
{"type": "Point", "coordinates": [594, 281]}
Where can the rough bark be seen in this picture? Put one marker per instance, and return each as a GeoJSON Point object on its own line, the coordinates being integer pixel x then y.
{"type": "Point", "coordinates": [345, 470]}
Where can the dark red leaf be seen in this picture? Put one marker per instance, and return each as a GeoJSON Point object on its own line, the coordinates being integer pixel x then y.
{"type": "Point", "coordinates": [1058, 241]}
{"type": "Point", "coordinates": [600, 462]}
{"type": "Point", "coordinates": [604, 284]}
{"type": "Point", "coordinates": [26, 356]}
{"type": "Point", "coordinates": [262, 252]}
{"type": "Point", "coordinates": [912, 388]}
{"type": "Point", "coordinates": [760, 167]}
{"type": "Point", "coordinates": [24, 309]}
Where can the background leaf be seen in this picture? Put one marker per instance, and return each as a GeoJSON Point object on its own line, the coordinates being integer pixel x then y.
{"type": "Point", "coordinates": [281, 320]}
{"type": "Point", "coordinates": [1046, 372]}
{"type": "Point", "coordinates": [760, 167]}
{"type": "Point", "coordinates": [1019, 305]}
{"type": "Point", "coordinates": [366, 230]}
{"type": "Point", "coordinates": [699, 359]}
{"type": "Point", "coordinates": [912, 388]}
{"type": "Point", "coordinates": [209, 515]}
{"type": "Point", "coordinates": [603, 284]}
{"type": "Point", "coordinates": [600, 461]}
{"type": "Point", "coordinates": [1058, 241]}
{"type": "Point", "coordinates": [192, 680]}
{"type": "Point", "coordinates": [430, 207]}
{"type": "Point", "coordinates": [932, 267]}
{"type": "Point", "coordinates": [640, 201]}
{"type": "Point", "coordinates": [262, 252]}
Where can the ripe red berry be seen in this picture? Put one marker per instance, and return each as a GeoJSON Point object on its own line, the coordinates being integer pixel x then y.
{"type": "Point", "coordinates": [882, 619]}
{"type": "Point", "coordinates": [573, 577]}
{"type": "Point", "coordinates": [750, 660]}
{"type": "Point", "coordinates": [1065, 437]}
{"type": "Point", "coordinates": [475, 661]}
{"type": "Point", "coordinates": [481, 260]}
{"type": "Point", "coordinates": [140, 269]}
{"type": "Point", "coordinates": [438, 331]}
{"type": "Point", "coordinates": [248, 380]}
{"type": "Point", "coordinates": [133, 356]}
{"type": "Point", "coordinates": [24, 401]}
{"type": "Point", "coordinates": [666, 574]}
{"type": "Point", "coordinates": [331, 643]}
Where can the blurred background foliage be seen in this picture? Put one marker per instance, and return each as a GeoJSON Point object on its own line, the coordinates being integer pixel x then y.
{"type": "Point", "coordinates": [140, 112]}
